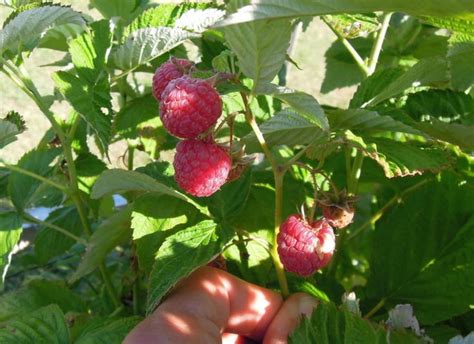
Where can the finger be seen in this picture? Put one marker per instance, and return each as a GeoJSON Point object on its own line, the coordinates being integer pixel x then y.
{"type": "Point", "coordinates": [288, 318]}
{"type": "Point", "coordinates": [232, 338]}
{"type": "Point", "coordinates": [210, 302]}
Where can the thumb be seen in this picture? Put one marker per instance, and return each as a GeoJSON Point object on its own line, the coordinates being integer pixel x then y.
{"type": "Point", "coordinates": [288, 318]}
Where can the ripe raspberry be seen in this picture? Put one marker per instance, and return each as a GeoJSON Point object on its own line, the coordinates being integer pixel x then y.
{"type": "Point", "coordinates": [338, 216]}
{"type": "Point", "coordinates": [173, 69]}
{"type": "Point", "coordinates": [189, 107]}
{"type": "Point", "coordinates": [201, 168]}
{"type": "Point", "coordinates": [305, 248]}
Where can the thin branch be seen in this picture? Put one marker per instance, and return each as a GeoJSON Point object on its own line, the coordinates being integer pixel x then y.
{"type": "Point", "coordinates": [35, 176]}
{"type": "Point", "coordinates": [357, 58]}
{"type": "Point", "coordinates": [377, 47]}
{"type": "Point", "coordinates": [394, 200]}
{"type": "Point", "coordinates": [61, 230]}
{"type": "Point", "coordinates": [376, 308]}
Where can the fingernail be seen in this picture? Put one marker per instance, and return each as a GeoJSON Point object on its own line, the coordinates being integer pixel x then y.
{"type": "Point", "coordinates": [307, 305]}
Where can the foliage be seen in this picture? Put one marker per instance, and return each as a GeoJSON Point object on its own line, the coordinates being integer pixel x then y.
{"type": "Point", "coordinates": [402, 151]}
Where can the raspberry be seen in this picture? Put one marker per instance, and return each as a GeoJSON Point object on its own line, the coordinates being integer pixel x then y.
{"type": "Point", "coordinates": [305, 248]}
{"type": "Point", "coordinates": [338, 216]}
{"type": "Point", "coordinates": [201, 168]}
{"type": "Point", "coordinates": [189, 107]}
{"type": "Point", "coordinates": [168, 71]}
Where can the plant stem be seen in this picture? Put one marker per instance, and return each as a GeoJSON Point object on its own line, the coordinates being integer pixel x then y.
{"type": "Point", "coordinates": [376, 308]}
{"type": "Point", "coordinates": [377, 47]}
{"type": "Point", "coordinates": [61, 230]}
{"type": "Point", "coordinates": [109, 285]}
{"type": "Point", "coordinates": [395, 199]}
{"type": "Point", "coordinates": [130, 156]}
{"type": "Point", "coordinates": [35, 176]}
{"type": "Point", "coordinates": [355, 172]}
{"type": "Point", "coordinates": [355, 55]}
{"type": "Point", "coordinates": [261, 140]}
{"type": "Point", "coordinates": [278, 173]}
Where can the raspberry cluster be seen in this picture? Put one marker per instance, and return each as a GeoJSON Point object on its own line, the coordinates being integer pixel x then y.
{"type": "Point", "coordinates": [189, 108]}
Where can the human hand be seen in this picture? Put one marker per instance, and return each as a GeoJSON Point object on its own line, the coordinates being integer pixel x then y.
{"type": "Point", "coordinates": [213, 306]}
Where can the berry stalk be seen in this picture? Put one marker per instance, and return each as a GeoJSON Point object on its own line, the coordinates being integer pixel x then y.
{"type": "Point", "coordinates": [278, 173]}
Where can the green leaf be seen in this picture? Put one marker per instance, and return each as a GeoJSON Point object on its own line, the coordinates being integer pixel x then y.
{"type": "Point", "coordinates": [44, 326]}
{"type": "Point", "coordinates": [442, 104]}
{"type": "Point", "coordinates": [112, 232]}
{"type": "Point", "coordinates": [49, 242]}
{"type": "Point", "coordinates": [8, 132]}
{"type": "Point", "coordinates": [144, 45]}
{"type": "Point", "coordinates": [10, 231]}
{"type": "Point", "coordinates": [230, 200]}
{"type": "Point", "coordinates": [452, 23]}
{"type": "Point", "coordinates": [306, 105]}
{"type": "Point", "coordinates": [425, 246]}
{"type": "Point", "coordinates": [286, 128]}
{"type": "Point", "coordinates": [88, 168]}
{"type": "Point", "coordinates": [181, 254]}
{"type": "Point", "coordinates": [162, 15]}
{"type": "Point", "coordinates": [16, 3]}
{"type": "Point", "coordinates": [57, 38]}
{"type": "Point", "coordinates": [36, 294]}
{"type": "Point", "coordinates": [272, 9]}
{"type": "Point", "coordinates": [123, 9]}
{"type": "Point", "coordinates": [106, 331]}
{"type": "Point", "coordinates": [329, 325]}
{"type": "Point", "coordinates": [260, 47]}
{"type": "Point", "coordinates": [366, 122]}
{"type": "Point", "coordinates": [24, 32]}
{"type": "Point", "coordinates": [88, 53]}
{"type": "Point", "coordinates": [154, 217]}
{"type": "Point", "coordinates": [373, 85]}
{"type": "Point", "coordinates": [401, 159]}
{"type": "Point", "coordinates": [199, 20]}
{"type": "Point", "coordinates": [426, 72]}
{"type": "Point", "coordinates": [454, 133]}
{"type": "Point", "coordinates": [135, 115]}
{"type": "Point", "coordinates": [460, 64]}
{"type": "Point", "coordinates": [22, 187]}
{"type": "Point", "coordinates": [89, 101]}
{"type": "Point", "coordinates": [116, 181]}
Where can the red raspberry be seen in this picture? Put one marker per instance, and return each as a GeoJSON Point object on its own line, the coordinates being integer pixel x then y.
{"type": "Point", "coordinates": [305, 248]}
{"type": "Point", "coordinates": [338, 216]}
{"type": "Point", "coordinates": [173, 69]}
{"type": "Point", "coordinates": [189, 107]}
{"type": "Point", "coordinates": [201, 168]}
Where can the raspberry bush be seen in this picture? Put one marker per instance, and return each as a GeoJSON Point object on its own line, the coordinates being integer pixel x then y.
{"type": "Point", "coordinates": [367, 207]}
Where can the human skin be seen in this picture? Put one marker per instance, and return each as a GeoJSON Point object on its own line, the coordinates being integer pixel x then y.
{"type": "Point", "coordinates": [213, 306]}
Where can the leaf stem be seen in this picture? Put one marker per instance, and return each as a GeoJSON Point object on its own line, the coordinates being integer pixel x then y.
{"type": "Point", "coordinates": [355, 55]}
{"type": "Point", "coordinates": [376, 308]}
{"type": "Point", "coordinates": [395, 199]}
{"type": "Point", "coordinates": [295, 158]}
{"type": "Point", "coordinates": [377, 47]}
{"type": "Point", "coordinates": [278, 173]}
{"type": "Point", "coordinates": [61, 230]}
{"type": "Point", "coordinates": [35, 176]}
